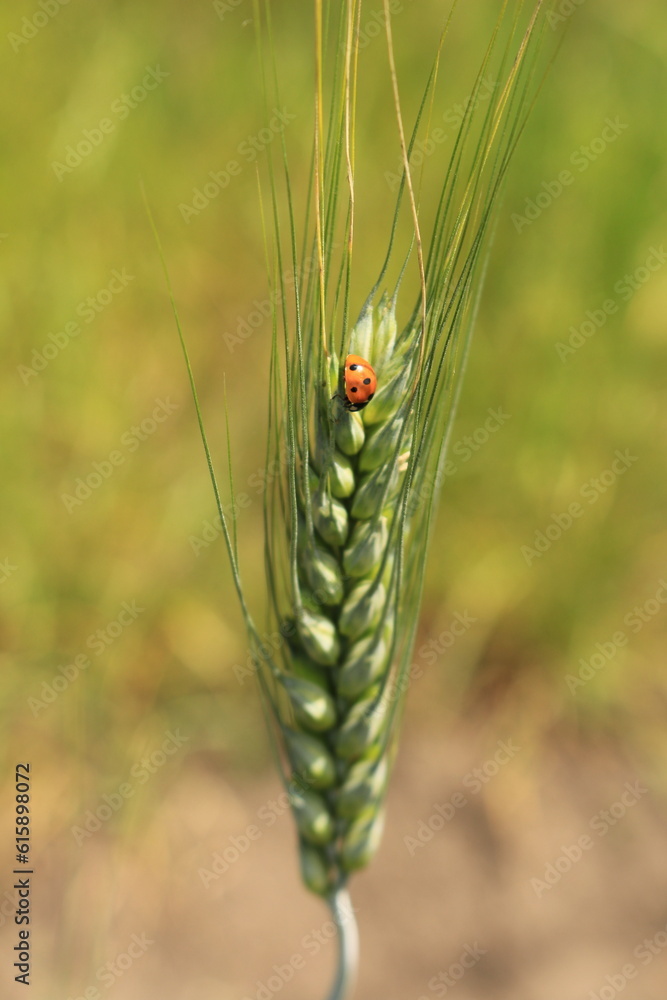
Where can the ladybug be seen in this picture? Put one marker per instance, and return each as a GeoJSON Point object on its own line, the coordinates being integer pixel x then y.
{"type": "Point", "coordinates": [360, 383]}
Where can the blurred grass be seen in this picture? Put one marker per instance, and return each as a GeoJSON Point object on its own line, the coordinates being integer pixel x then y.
{"type": "Point", "coordinates": [131, 539]}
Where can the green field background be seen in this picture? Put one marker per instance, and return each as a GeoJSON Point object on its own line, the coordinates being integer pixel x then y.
{"type": "Point", "coordinates": [566, 643]}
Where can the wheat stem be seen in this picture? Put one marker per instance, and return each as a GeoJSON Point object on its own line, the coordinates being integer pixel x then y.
{"type": "Point", "coordinates": [348, 945]}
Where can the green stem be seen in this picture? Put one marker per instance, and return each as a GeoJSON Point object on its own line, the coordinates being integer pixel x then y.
{"type": "Point", "coordinates": [348, 945]}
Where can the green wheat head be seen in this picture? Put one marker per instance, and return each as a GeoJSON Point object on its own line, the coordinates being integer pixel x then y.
{"type": "Point", "coordinates": [347, 524]}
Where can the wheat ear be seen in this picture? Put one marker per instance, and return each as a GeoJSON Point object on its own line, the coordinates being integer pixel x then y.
{"type": "Point", "coordinates": [348, 524]}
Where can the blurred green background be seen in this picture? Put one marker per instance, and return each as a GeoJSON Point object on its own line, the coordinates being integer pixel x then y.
{"type": "Point", "coordinates": [169, 93]}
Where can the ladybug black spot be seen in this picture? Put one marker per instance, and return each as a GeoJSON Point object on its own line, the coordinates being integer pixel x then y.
{"type": "Point", "coordinates": [367, 381]}
{"type": "Point", "coordinates": [353, 368]}
{"type": "Point", "coordinates": [370, 397]}
{"type": "Point", "coordinates": [354, 389]}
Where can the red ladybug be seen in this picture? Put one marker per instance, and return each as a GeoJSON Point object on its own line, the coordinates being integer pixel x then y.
{"type": "Point", "coordinates": [360, 383]}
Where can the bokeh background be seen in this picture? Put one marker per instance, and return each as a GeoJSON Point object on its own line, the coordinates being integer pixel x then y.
{"type": "Point", "coordinates": [150, 706]}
